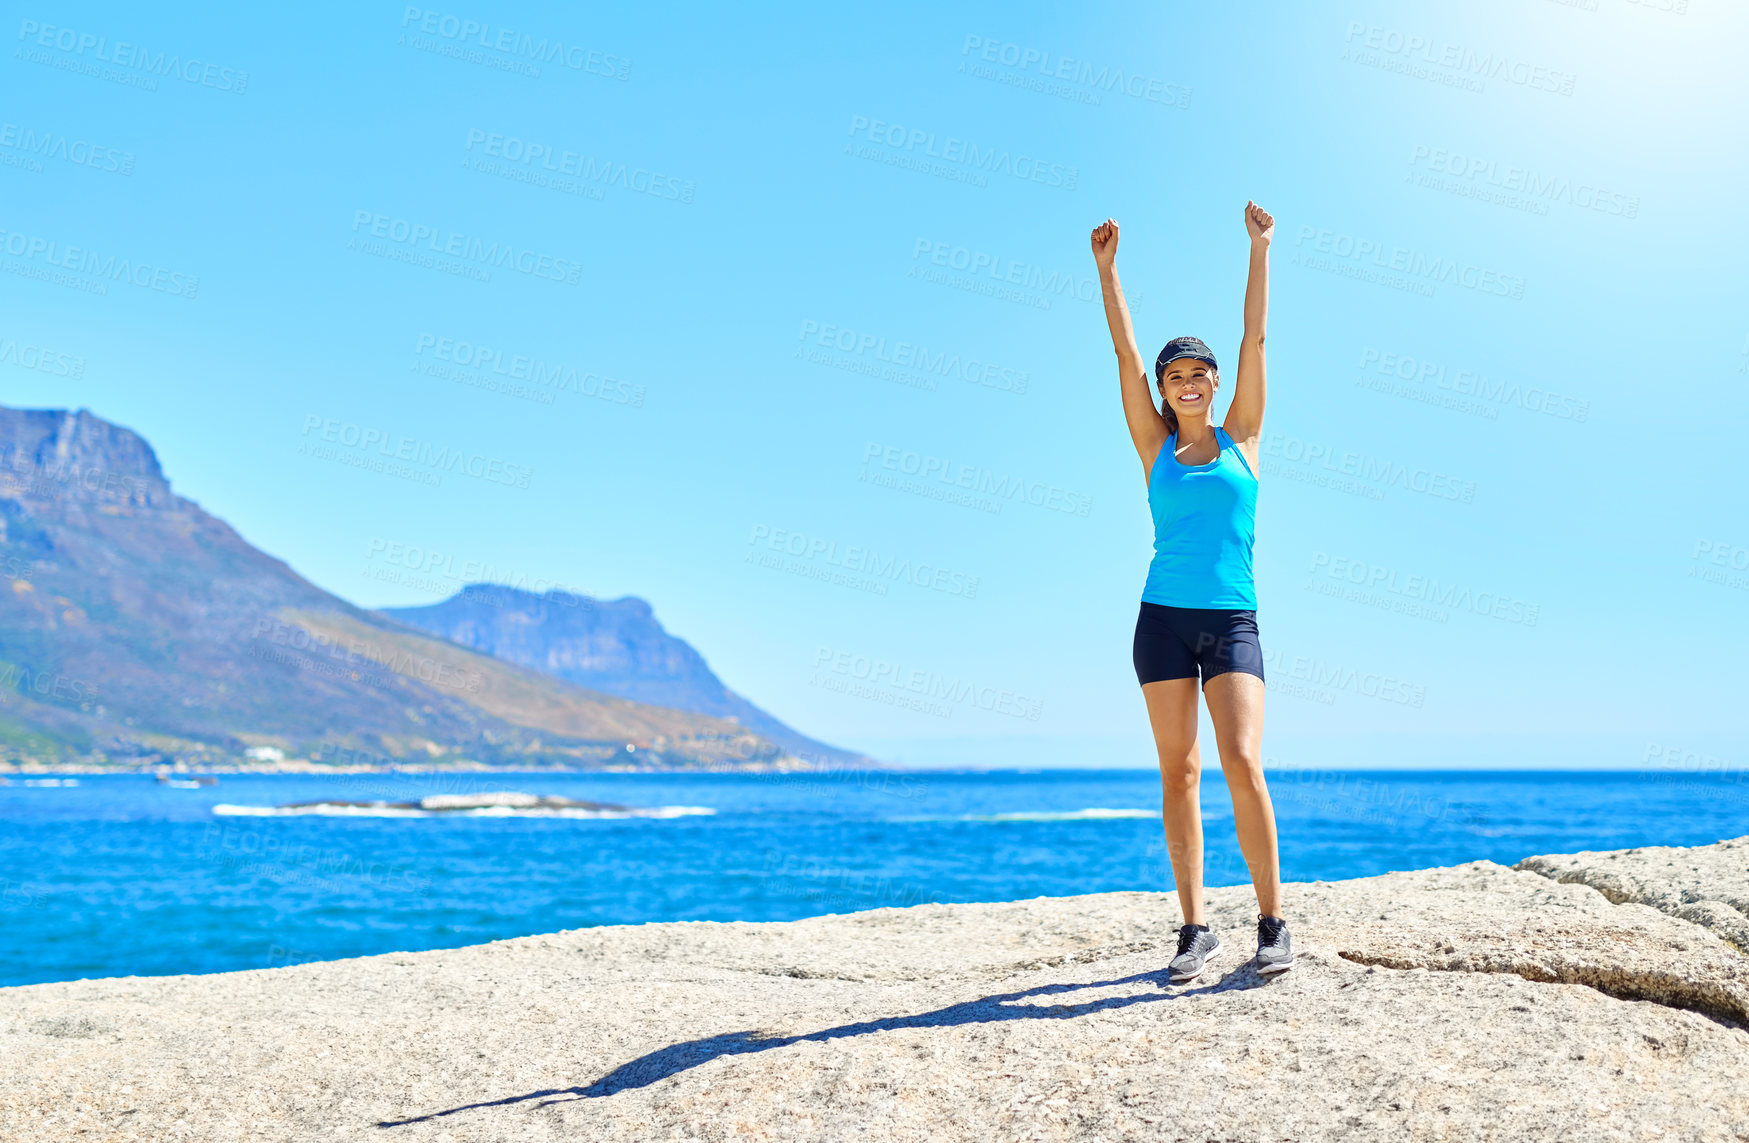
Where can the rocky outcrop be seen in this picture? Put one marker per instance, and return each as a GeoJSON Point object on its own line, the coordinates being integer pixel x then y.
{"type": "Point", "coordinates": [58, 454]}
{"type": "Point", "coordinates": [1470, 1003]}
{"type": "Point", "coordinates": [1708, 886]}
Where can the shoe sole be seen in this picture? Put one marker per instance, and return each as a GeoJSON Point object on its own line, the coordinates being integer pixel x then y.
{"type": "Point", "coordinates": [1272, 969]}
{"type": "Point", "coordinates": [1212, 954]}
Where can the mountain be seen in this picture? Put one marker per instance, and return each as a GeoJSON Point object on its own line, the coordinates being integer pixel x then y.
{"type": "Point", "coordinates": [613, 646]}
{"type": "Point", "coordinates": [135, 625]}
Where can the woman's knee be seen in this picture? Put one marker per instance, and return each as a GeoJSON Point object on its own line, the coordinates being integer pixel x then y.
{"type": "Point", "coordinates": [1180, 778]}
{"type": "Point", "coordinates": [1244, 771]}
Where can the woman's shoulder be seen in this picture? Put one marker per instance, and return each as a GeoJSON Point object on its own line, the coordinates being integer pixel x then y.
{"type": "Point", "coordinates": [1247, 456]}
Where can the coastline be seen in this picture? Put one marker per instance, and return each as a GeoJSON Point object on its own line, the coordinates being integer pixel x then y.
{"type": "Point", "coordinates": [794, 765]}
{"type": "Point", "coordinates": [1573, 996]}
{"type": "Point", "coordinates": [306, 768]}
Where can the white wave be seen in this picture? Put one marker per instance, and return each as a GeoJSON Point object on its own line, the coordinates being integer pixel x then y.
{"type": "Point", "coordinates": [346, 811]}
{"type": "Point", "coordinates": [1094, 814]}
{"type": "Point", "coordinates": [508, 799]}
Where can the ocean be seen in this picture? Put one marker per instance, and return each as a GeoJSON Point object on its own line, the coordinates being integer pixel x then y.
{"type": "Point", "coordinates": [121, 875]}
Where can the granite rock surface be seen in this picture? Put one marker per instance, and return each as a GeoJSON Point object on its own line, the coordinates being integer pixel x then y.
{"type": "Point", "coordinates": [1708, 885]}
{"type": "Point", "coordinates": [1469, 1003]}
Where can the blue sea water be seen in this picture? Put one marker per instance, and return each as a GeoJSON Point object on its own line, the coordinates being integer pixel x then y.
{"type": "Point", "coordinates": [120, 875]}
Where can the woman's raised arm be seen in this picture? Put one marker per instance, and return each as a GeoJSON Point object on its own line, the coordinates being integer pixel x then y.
{"type": "Point", "coordinates": [1244, 421]}
{"type": "Point", "coordinates": [1147, 428]}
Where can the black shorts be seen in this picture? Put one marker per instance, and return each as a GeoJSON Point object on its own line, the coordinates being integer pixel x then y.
{"type": "Point", "coordinates": [1181, 642]}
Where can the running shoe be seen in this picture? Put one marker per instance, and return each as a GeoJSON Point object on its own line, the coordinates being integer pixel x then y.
{"type": "Point", "coordinates": [1275, 949]}
{"type": "Point", "coordinates": [1196, 947]}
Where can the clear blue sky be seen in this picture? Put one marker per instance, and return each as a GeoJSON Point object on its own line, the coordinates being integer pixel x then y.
{"type": "Point", "coordinates": [770, 259]}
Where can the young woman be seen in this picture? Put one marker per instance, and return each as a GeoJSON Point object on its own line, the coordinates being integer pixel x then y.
{"type": "Point", "coordinates": [1199, 606]}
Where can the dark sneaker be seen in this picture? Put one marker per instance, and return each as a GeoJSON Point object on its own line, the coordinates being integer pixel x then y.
{"type": "Point", "coordinates": [1196, 947]}
{"type": "Point", "coordinates": [1275, 949]}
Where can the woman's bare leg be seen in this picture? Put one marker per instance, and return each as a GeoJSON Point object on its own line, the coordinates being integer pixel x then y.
{"type": "Point", "coordinates": [1235, 702]}
{"type": "Point", "coordinates": [1172, 714]}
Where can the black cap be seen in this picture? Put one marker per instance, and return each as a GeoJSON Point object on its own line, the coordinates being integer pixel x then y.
{"type": "Point", "coordinates": [1182, 347]}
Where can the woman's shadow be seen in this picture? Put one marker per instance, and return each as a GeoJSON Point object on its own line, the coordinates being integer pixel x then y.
{"type": "Point", "coordinates": [676, 1058]}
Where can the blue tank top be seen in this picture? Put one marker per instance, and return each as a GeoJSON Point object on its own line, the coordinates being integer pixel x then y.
{"type": "Point", "coordinates": [1205, 519]}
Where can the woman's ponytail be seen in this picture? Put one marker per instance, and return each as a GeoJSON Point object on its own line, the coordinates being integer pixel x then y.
{"type": "Point", "coordinates": [1167, 415]}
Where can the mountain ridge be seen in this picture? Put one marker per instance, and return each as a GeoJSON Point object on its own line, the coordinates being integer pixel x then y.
{"type": "Point", "coordinates": [136, 627]}
{"type": "Point", "coordinates": [614, 646]}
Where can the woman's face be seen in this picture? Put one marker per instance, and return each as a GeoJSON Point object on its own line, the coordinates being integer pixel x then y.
{"type": "Point", "coordinates": [1188, 386]}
